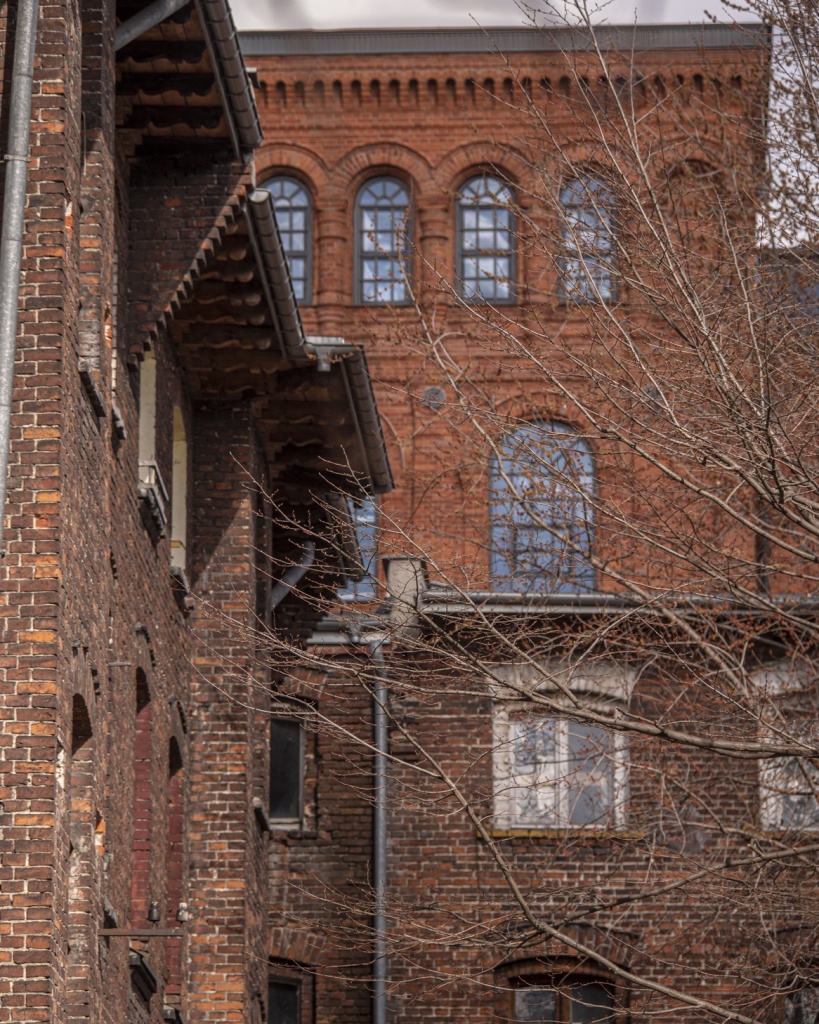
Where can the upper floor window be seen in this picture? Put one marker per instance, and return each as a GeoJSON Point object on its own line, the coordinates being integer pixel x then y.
{"type": "Point", "coordinates": [294, 209]}
{"type": "Point", "coordinates": [485, 240]}
{"type": "Point", "coordinates": [588, 264]}
{"type": "Point", "coordinates": [382, 234]}
{"type": "Point", "coordinates": [541, 523]}
{"type": "Point", "coordinates": [555, 772]}
{"type": "Point", "coordinates": [365, 521]}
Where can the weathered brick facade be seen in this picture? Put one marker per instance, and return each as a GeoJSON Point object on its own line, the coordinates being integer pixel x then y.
{"type": "Point", "coordinates": [430, 109]}
{"type": "Point", "coordinates": [130, 748]}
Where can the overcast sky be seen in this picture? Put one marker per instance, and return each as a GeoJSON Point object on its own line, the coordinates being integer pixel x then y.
{"type": "Point", "coordinates": [329, 14]}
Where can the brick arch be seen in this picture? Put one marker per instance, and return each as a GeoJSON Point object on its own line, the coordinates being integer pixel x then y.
{"type": "Point", "coordinates": [388, 157]}
{"type": "Point", "coordinates": [465, 161]}
{"type": "Point", "coordinates": [297, 160]}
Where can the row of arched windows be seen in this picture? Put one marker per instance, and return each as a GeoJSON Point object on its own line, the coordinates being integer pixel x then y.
{"type": "Point", "coordinates": [541, 515]}
{"type": "Point", "coordinates": [485, 231]}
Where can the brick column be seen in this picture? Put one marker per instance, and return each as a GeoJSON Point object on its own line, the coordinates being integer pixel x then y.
{"type": "Point", "coordinates": [228, 892]}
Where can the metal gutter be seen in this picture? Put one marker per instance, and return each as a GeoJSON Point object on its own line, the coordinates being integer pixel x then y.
{"type": "Point", "coordinates": [625, 38]}
{"type": "Point", "coordinates": [14, 205]}
{"type": "Point", "coordinates": [358, 385]}
{"type": "Point", "coordinates": [295, 346]}
{"type": "Point", "coordinates": [234, 84]}
{"type": "Point", "coordinates": [447, 601]}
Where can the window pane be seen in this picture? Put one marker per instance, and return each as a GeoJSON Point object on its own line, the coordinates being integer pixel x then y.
{"type": "Point", "coordinates": [293, 207]}
{"type": "Point", "coordinates": [802, 1007]}
{"type": "Point", "coordinates": [587, 268]}
{"type": "Point", "coordinates": [365, 520]}
{"type": "Point", "coordinates": [541, 515]}
{"type": "Point", "coordinates": [285, 768]}
{"type": "Point", "coordinates": [536, 1005]}
{"type": "Point", "coordinates": [590, 1004]}
{"type": "Point", "coordinates": [382, 221]}
{"type": "Point", "coordinates": [283, 1003]}
{"type": "Point", "coordinates": [485, 228]}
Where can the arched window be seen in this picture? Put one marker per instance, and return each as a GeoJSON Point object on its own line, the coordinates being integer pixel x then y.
{"type": "Point", "coordinates": [382, 214]}
{"type": "Point", "coordinates": [486, 246]}
{"type": "Point", "coordinates": [541, 528]}
{"type": "Point", "coordinates": [294, 214]}
{"type": "Point", "coordinates": [588, 263]}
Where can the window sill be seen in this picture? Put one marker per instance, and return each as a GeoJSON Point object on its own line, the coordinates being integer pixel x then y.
{"type": "Point", "coordinates": [588, 833]}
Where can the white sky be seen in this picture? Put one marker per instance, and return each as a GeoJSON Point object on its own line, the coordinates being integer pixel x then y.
{"type": "Point", "coordinates": [330, 14]}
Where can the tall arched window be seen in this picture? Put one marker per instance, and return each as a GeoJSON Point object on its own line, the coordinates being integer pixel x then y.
{"type": "Point", "coordinates": [541, 524]}
{"type": "Point", "coordinates": [486, 246]}
{"type": "Point", "coordinates": [294, 215]}
{"type": "Point", "coordinates": [382, 214]}
{"type": "Point", "coordinates": [588, 264]}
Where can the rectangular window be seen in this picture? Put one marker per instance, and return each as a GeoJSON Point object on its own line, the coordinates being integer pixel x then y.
{"type": "Point", "coordinates": [789, 788]}
{"type": "Point", "coordinates": [558, 773]}
{"type": "Point", "coordinates": [286, 770]}
{"type": "Point", "coordinates": [364, 515]}
{"type": "Point", "coordinates": [283, 1002]}
{"type": "Point", "coordinates": [589, 1003]}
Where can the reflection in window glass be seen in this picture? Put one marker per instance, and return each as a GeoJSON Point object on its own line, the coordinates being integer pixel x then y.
{"type": "Point", "coordinates": [485, 231]}
{"type": "Point", "coordinates": [802, 1007]}
{"type": "Point", "coordinates": [561, 773]}
{"type": "Point", "coordinates": [293, 207]}
{"type": "Point", "coordinates": [589, 249]}
{"type": "Point", "coordinates": [382, 220]}
{"type": "Point", "coordinates": [790, 788]}
{"type": "Point", "coordinates": [541, 527]}
{"type": "Point", "coordinates": [365, 520]}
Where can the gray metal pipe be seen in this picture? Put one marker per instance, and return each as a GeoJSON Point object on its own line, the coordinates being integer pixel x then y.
{"type": "Point", "coordinates": [14, 205]}
{"type": "Point", "coordinates": [380, 740]}
{"type": "Point", "coordinates": [293, 575]}
{"type": "Point", "coordinates": [149, 17]}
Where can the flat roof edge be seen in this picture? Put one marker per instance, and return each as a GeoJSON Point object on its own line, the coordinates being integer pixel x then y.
{"type": "Point", "coordinates": [628, 38]}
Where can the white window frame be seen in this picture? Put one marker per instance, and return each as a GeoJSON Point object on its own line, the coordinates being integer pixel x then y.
{"type": "Point", "coordinates": [550, 781]}
{"type": "Point", "coordinates": [784, 778]}
{"type": "Point", "coordinates": [784, 685]}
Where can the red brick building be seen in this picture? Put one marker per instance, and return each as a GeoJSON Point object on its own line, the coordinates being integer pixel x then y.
{"type": "Point", "coordinates": [163, 385]}
{"type": "Point", "coordinates": [412, 173]}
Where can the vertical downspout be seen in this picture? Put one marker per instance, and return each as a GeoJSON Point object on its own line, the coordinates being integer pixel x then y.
{"type": "Point", "coordinates": [380, 739]}
{"type": "Point", "coordinates": [14, 205]}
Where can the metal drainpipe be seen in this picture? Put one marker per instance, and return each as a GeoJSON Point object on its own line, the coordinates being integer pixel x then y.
{"type": "Point", "coordinates": [14, 205]}
{"type": "Point", "coordinates": [149, 17]}
{"type": "Point", "coordinates": [380, 739]}
{"type": "Point", "coordinates": [292, 576]}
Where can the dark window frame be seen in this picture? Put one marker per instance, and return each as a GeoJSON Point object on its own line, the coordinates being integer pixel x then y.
{"type": "Point", "coordinates": [295, 720]}
{"type": "Point", "coordinates": [288, 981]}
{"type": "Point", "coordinates": [560, 975]}
{"type": "Point", "coordinates": [403, 254]}
{"type": "Point", "coordinates": [583, 576]}
{"type": "Point", "coordinates": [307, 253]}
{"type": "Point", "coordinates": [461, 252]}
{"type": "Point", "coordinates": [364, 590]}
{"type": "Point", "coordinates": [577, 253]}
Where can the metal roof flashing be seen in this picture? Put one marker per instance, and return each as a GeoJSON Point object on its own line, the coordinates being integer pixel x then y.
{"type": "Point", "coordinates": [627, 38]}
